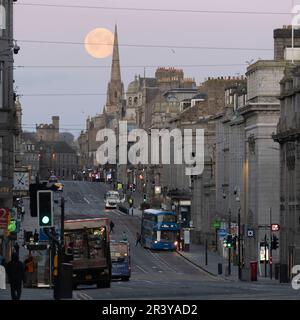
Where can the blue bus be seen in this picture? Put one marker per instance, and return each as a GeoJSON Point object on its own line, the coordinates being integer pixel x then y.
{"type": "Point", "coordinates": [159, 229]}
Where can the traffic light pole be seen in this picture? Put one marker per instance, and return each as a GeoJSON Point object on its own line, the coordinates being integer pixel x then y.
{"type": "Point", "coordinates": [229, 249]}
{"type": "Point", "coordinates": [62, 221]}
{"type": "Point", "coordinates": [271, 258]}
{"type": "Point", "coordinates": [60, 249]}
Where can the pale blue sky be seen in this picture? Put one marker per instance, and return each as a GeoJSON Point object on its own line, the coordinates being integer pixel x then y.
{"type": "Point", "coordinates": [181, 29]}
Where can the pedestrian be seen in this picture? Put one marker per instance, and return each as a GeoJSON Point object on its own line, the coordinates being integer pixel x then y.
{"type": "Point", "coordinates": [138, 239]}
{"type": "Point", "coordinates": [16, 248]}
{"type": "Point", "coordinates": [2, 260]}
{"type": "Point", "coordinates": [111, 226]}
{"type": "Point", "coordinates": [124, 236]}
{"type": "Point", "coordinates": [29, 270]}
{"type": "Point", "coordinates": [178, 239]}
{"type": "Point", "coordinates": [15, 273]}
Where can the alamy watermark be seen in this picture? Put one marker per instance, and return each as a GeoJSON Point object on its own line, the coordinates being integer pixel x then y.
{"type": "Point", "coordinates": [153, 147]}
{"type": "Point", "coordinates": [296, 278]}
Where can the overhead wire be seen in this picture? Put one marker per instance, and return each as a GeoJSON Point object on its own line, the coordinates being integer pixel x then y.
{"type": "Point", "coordinates": [68, 6]}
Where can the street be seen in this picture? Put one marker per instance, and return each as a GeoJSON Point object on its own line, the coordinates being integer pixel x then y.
{"type": "Point", "coordinates": [155, 274]}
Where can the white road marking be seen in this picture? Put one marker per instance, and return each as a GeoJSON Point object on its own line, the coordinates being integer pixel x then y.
{"type": "Point", "coordinates": [86, 200]}
{"type": "Point", "coordinates": [81, 296]}
{"type": "Point", "coordinates": [143, 270]}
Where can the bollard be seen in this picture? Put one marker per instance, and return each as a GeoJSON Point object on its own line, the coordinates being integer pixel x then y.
{"type": "Point", "coordinates": [253, 270]}
{"type": "Point", "coordinates": [220, 268]}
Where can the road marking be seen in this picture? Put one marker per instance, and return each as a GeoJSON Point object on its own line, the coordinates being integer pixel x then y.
{"type": "Point", "coordinates": [162, 263]}
{"type": "Point", "coordinates": [116, 212]}
{"type": "Point", "coordinates": [81, 296]}
{"type": "Point", "coordinates": [143, 270]}
{"type": "Point", "coordinates": [86, 200]}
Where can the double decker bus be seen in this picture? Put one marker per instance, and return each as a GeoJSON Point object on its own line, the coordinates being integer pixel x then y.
{"type": "Point", "coordinates": [159, 229]}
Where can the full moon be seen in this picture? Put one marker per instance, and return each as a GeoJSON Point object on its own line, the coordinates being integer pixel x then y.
{"type": "Point", "coordinates": [99, 43]}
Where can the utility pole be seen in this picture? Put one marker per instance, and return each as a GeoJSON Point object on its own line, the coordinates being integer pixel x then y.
{"type": "Point", "coordinates": [239, 243]}
{"type": "Point", "coordinates": [229, 249]}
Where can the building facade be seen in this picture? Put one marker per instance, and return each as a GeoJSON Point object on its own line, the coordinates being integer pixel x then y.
{"type": "Point", "coordinates": [287, 136]}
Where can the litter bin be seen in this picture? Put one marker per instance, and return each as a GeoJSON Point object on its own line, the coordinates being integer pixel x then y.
{"type": "Point", "coordinates": [253, 269]}
{"type": "Point", "coordinates": [65, 283]}
{"type": "Point", "coordinates": [220, 268]}
{"type": "Point", "coordinates": [277, 270]}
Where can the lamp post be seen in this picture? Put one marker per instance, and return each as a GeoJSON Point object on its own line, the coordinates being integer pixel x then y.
{"type": "Point", "coordinates": [229, 249]}
{"type": "Point", "coordinates": [239, 243]}
{"type": "Point", "coordinates": [237, 193]}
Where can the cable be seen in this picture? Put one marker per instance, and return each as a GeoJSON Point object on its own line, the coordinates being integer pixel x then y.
{"type": "Point", "coordinates": [146, 45]}
{"type": "Point", "coordinates": [137, 66]}
{"type": "Point", "coordinates": [60, 94]}
{"type": "Point", "coordinates": [152, 9]}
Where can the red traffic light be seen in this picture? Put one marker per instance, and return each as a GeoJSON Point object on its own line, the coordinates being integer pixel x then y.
{"type": "Point", "coordinates": [275, 227]}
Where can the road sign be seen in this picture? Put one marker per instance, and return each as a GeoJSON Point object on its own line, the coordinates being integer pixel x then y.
{"type": "Point", "coordinates": [275, 227]}
{"type": "Point", "coordinates": [4, 214]}
{"type": "Point", "coordinates": [250, 233]}
{"type": "Point", "coordinates": [222, 232]}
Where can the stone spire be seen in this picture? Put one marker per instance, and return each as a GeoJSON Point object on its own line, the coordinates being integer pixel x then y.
{"type": "Point", "coordinates": [115, 88]}
{"type": "Point", "coordinates": [115, 66]}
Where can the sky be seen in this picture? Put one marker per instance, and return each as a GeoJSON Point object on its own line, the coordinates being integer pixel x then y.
{"type": "Point", "coordinates": [166, 29]}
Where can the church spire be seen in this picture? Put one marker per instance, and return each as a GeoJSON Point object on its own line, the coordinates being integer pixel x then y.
{"type": "Point", "coordinates": [115, 67]}
{"type": "Point", "coordinates": [115, 88]}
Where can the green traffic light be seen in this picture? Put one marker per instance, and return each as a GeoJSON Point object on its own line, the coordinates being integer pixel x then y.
{"type": "Point", "coordinates": [45, 220]}
{"type": "Point", "coordinates": [12, 226]}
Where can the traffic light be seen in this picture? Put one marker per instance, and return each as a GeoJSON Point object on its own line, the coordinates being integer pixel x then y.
{"type": "Point", "coordinates": [45, 208]}
{"type": "Point", "coordinates": [228, 241]}
{"type": "Point", "coordinates": [33, 189]}
{"type": "Point", "coordinates": [274, 243]}
{"type": "Point", "coordinates": [145, 198]}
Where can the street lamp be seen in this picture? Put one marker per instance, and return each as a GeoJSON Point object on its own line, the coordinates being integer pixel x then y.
{"type": "Point", "coordinates": [237, 193]}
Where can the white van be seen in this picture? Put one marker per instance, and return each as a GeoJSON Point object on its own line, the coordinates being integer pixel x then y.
{"type": "Point", "coordinates": [112, 199]}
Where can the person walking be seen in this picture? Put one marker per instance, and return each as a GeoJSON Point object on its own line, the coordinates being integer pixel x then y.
{"type": "Point", "coordinates": [138, 239]}
{"type": "Point", "coordinates": [29, 270]}
{"type": "Point", "coordinates": [16, 248]}
{"type": "Point", "coordinates": [15, 273]}
{"type": "Point", "coordinates": [111, 226]}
